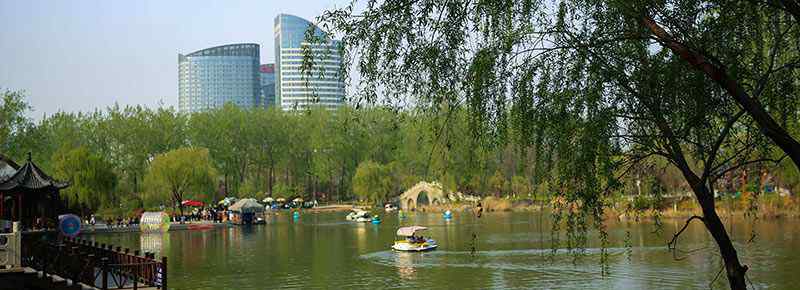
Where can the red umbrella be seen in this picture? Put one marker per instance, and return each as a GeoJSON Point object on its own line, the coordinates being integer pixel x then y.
{"type": "Point", "coordinates": [193, 203]}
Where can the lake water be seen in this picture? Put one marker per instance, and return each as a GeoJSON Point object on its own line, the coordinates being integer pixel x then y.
{"type": "Point", "coordinates": [513, 251]}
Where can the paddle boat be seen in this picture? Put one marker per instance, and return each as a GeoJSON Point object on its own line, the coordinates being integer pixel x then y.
{"type": "Point", "coordinates": [448, 215]}
{"type": "Point", "coordinates": [390, 207]}
{"type": "Point", "coordinates": [411, 242]}
{"type": "Point", "coordinates": [359, 215]}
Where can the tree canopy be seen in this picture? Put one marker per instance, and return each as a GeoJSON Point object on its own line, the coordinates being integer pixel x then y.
{"type": "Point", "coordinates": [180, 174]}
{"type": "Point", "coordinates": [372, 181]}
{"type": "Point", "coordinates": [595, 87]}
{"type": "Point", "coordinates": [92, 179]}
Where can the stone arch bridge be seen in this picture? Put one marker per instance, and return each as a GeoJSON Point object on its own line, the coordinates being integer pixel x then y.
{"type": "Point", "coordinates": [431, 192]}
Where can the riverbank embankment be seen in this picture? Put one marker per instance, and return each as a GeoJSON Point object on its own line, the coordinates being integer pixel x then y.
{"type": "Point", "coordinates": [174, 226]}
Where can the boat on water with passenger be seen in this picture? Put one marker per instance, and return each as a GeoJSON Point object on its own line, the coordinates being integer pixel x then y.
{"type": "Point", "coordinates": [411, 242]}
{"type": "Point", "coordinates": [359, 215]}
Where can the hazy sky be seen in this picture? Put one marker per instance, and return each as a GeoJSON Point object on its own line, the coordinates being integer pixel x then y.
{"type": "Point", "coordinates": [81, 55]}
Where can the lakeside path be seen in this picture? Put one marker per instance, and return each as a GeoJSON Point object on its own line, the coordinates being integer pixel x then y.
{"type": "Point", "coordinates": [174, 226]}
{"type": "Point", "coordinates": [195, 225]}
{"type": "Point", "coordinates": [330, 208]}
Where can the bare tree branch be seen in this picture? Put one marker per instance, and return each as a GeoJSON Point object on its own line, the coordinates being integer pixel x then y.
{"type": "Point", "coordinates": [673, 244]}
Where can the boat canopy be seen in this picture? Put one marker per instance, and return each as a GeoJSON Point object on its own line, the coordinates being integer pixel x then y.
{"type": "Point", "coordinates": [247, 205]}
{"type": "Point", "coordinates": [409, 231]}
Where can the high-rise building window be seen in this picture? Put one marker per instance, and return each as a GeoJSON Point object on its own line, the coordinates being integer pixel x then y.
{"type": "Point", "coordinates": [218, 75]}
{"type": "Point", "coordinates": [301, 89]}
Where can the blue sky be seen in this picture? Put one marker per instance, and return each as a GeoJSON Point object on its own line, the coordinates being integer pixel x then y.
{"type": "Point", "coordinates": [81, 55]}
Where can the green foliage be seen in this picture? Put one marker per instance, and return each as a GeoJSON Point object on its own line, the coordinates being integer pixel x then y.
{"type": "Point", "coordinates": [12, 117]}
{"type": "Point", "coordinates": [91, 178]}
{"type": "Point", "coordinates": [184, 173]}
{"type": "Point", "coordinates": [283, 190]}
{"type": "Point", "coordinates": [372, 182]}
{"type": "Point", "coordinates": [645, 202]}
{"type": "Point", "coordinates": [788, 176]}
{"type": "Point", "coordinates": [585, 88]}
{"type": "Point", "coordinates": [498, 183]}
{"type": "Point", "coordinates": [521, 186]}
{"type": "Point", "coordinates": [449, 183]}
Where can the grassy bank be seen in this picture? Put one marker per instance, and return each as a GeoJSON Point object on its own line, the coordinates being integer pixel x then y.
{"type": "Point", "coordinates": [765, 206]}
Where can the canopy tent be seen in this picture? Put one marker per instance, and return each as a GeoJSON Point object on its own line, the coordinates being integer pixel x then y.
{"type": "Point", "coordinates": [227, 201]}
{"type": "Point", "coordinates": [192, 203]}
{"type": "Point", "coordinates": [39, 191]}
{"type": "Point", "coordinates": [247, 205]}
{"type": "Point", "coordinates": [409, 231]}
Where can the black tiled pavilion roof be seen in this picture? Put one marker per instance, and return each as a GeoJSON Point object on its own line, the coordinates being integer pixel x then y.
{"type": "Point", "coordinates": [30, 177]}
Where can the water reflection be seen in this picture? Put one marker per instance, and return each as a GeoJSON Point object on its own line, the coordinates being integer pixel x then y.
{"type": "Point", "coordinates": [154, 243]}
{"type": "Point", "coordinates": [361, 236]}
{"type": "Point", "coordinates": [514, 252]}
{"type": "Point", "coordinates": [405, 266]}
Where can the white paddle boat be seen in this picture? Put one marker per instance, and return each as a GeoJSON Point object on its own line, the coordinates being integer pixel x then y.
{"type": "Point", "coordinates": [411, 242]}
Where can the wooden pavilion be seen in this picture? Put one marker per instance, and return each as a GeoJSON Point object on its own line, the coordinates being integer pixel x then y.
{"type": "Point", "coordinates": [30, 196]}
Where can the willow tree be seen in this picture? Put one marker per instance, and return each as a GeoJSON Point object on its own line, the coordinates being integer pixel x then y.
{"type": "Point", "coordinates": [181, 173]}
{"type": "Point", "coordinates": [92, 179]}
{"type": "Point", "coordinates": [591, 85]}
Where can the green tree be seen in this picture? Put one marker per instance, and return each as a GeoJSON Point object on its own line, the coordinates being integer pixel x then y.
{"type": "Point", "coordinates": [225, 132]}
{"type": "Point", "coordinates": [497, 183]}
{"type": "Point", "coordinates": [92, 180]}
{"type": "Point", "coordinates": [12, 118]}
{"type": "Point", "coordinates": [372, 182]}
{"type": "Point", "coordinates": [180, 174]}
{"type": "Point", "coordinates": [520, 186]}
{"type": "Point", "coordinates": [582, 84]}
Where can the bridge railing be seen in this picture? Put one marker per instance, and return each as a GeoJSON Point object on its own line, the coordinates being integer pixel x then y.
{"type": "Point", "coordinates": [10, 253]}
{"type": "Point", "coordinates": [95, 264]}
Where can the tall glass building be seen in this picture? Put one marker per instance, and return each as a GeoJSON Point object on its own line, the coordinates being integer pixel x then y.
{"type": "Point", "coordinates": [267, 85]}
{"type": "Point", "coordinates": [320, 85]}
{"type": "Point", "coordinates": [211, 77]}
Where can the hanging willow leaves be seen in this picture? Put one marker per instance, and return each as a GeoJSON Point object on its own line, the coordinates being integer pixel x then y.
{"type": "Point", "coordinates": [596, 87]}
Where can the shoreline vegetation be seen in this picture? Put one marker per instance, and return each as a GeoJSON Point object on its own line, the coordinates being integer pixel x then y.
{"type": "Point", "coordinates": [765, 206]}
{"type": "Point", "coordinates": [120, 160]}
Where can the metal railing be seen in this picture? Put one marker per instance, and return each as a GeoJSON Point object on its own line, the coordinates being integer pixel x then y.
{"type": "Point", "coordinates": [96, 264]}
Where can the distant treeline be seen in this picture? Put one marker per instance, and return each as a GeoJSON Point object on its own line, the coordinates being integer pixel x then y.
{"type": "Point", "coordinates": [107, 155]}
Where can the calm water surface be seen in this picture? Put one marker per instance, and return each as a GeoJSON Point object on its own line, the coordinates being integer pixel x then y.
{"type": "Point", "coordinates": [514, 251]}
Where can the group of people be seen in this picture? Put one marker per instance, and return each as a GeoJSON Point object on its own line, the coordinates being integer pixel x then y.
{"type": "Point", "coordinates": [416, 239]}
{"type": "Point", "coordinates": [216, 215]}
{"type": "Point", "coordinates": [118, 222]}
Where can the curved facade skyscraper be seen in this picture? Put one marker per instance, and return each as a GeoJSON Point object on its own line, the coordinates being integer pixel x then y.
{"type": "Point", "coordinates": [295, 89]}
{"type": "Point", "coordinates": [211, 77]}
